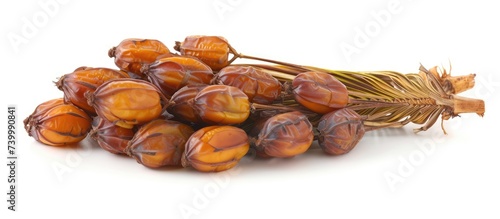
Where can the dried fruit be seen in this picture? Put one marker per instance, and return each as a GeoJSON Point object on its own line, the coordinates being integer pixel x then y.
{"type": "Point", "coordinates": [159, 143]}
{"type": "Point", "coordinates": [85, 79]}
{"type": "Point", "coordinates": [111, 137]}
{"type": "Point", "coordinates": [127, 102]}
{"type": "Point", "coordinates": [222, 104]}
{"type": "Point", "coordinates": [173, 73]}
{"type": "Point", "coordinates": [319, 92]}
{"type": "Point", "coordinates": [339, 106]}
{"type": "Point", "coordinates": [131, 54]}
{"type": "Point", "coordinates": [181, 103]}
{"type": "Point", "coordinates": [285, 135]}
{"type": "Point", "coordinates": [259, 86]}
{"type": "Point", "coordinates": [57, 123]}
{"type": "Point", "coordinates": [340, 131]}
{"type": "Point", "coordinates": [212, 50]}
{"type": "Point", "coordinates": [215, 148]}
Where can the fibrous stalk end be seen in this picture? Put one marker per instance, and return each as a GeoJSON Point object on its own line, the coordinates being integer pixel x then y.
{"type": "Point", "coordinates": [468, 105]}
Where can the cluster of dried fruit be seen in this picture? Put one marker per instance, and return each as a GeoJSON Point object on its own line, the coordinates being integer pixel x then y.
{"type": "Point", "coordinates": [195, 108]}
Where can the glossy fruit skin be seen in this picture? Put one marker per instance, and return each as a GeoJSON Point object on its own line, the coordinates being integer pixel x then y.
{"type": "Point", "coordinates": [319, 92]}
{"type": "Point", "coordinates": [83, 80]}
{"type": "Point", "coordinates": [212, 50]}
{"type": "Point", "coordinates": [222, 105]}
{"type": "Point", "coordinates": [111, 137]}
{"type": "Point", "coordinates": [57, 123]}
{"type": "Point", "coordinates": [215, 148]}
{"type": "Point", "coordinates": [259, 86]}
{"type": "Point", "coordinates": [127, 102]}
{"type": "Point", "coordinates": [181, 104]}
{"type": "Point", "coordinates": [132, 53]}
{"type": "Point", "coordinates": [340, 131]}
{"type": "Point", "coordinates": [172, 73]}
{"type": "Point", "coordinates": [159, 143]}
{"type": "Point", "coordinates": [285, 135]}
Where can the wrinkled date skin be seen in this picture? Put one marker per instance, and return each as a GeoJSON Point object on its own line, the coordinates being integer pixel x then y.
{"type": "Point", "coordinates": [319, 92]}
{"type": "Point", "coordinates": [85, 79]}
{"type": "Point", "coordinates": [57, 123]}
{"type": "Point", "coordinates": [340, 131]}
{"type": "Point", "coordinates": [285, 135]}
{"type": "Point", "coordinates": [111, 137]}
{"type": "Point", "coordinates": [127, 102]}
{"type": "Point", "coordinates": [222, 104]}
{"type": "Point", "coordinates": [259, 86]}
{"type": "Point", "coordinates": [172, 73]}
{"type": "Point", "coordinates": [181, 104]}
{"type": "Point", "coordinates": [159, 143]}
{"type": "Point", "coordinates": [131, 54]}
{"type": "Point", "coordinates": [215, 148]}
{"type": "Point", "coordinates": [211, 50]}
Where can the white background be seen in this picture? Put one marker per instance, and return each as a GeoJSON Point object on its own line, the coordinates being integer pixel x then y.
{"type": "Point", "coordinates": [458, 177]}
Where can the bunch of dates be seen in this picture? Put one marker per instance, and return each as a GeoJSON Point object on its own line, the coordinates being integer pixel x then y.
{"type": "Point", "coordinates": [193, 108]}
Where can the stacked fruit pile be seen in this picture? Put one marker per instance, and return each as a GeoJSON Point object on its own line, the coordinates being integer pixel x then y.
{"type": "Point", "coordinates": [195, 108]}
